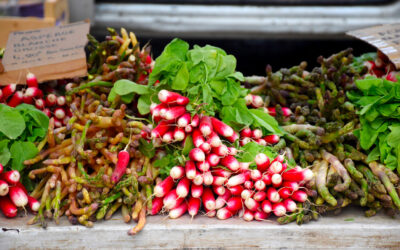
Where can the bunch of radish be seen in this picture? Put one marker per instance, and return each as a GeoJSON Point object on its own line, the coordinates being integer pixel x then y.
{"type": "Point", "coordinates": [51, 104]}
{"type": "Point", "coordinates": [247, 135]}
{"type": "Point", "coordinates": [256, 101]}
{"type": "Point", "coordinates": [13, 194]}
{"type": "Point", "coordinates": [382, 67]}
{"type": "Point", "coordinates": [213, 178]}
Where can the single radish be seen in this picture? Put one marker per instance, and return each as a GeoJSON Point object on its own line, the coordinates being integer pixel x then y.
{"type": "Point", "coordinates": [11, 177]}
{"type": "Point", "coordinates": [177, 172]}
{"type": "Point", "coordinates": [170, 97]}
{"type": "Point", "coordinates": [210, 213]}
{"type": "Point", "coordinates": [197, 138]}
{"type": "Point", "coordinates": [61, 101]}
{"type": "Point", "coordinates": [3, 188]}
{"type": "Point", "coordinates": [257, 101]}
{"type": "Point", "coordinates": [212, 159]}
{"type": "Point", "coordinates": [197, 191]}
{"type": "Point", "coordinates": [271, 139]}
{"type": "Point", "coordinates": [222, 150]}
{"type": "Point", "coordinates": [246, 193]}
{"type": "Point", "coordinates": [260, 215]}
{"type": "Point", "coordinates": [291, 185]}
{"type": "Point", "coordinates": [392, 76]}
{"type": "Point", "coordinates": [188, 129]}
{"type": "Point", "coordinates": [284, 193]}
{"type": "Point", "coordinates": [193, 206]}
{"type": "Point", "coordinates": [161, 189]}
{"type": "Point", "coordinates": [232, 151]}
{"type": "Point", "coordinates": [248, 215]}
{"type": "Point", "coordinates": [158, 109]}
{"type": "Point", "coordinates": [219, 180]}
{"type": "Point", "coordinates": [1, 95]}
{"type": "Point", "coordinates": [57, 123]}
{"type": "Point", "coordinates": [290, 205]}
{"type": "Point", "coordinates": [182, 189]}
{"type": "Point", "coordinates": [221, 128]}
{"type": "Point", "coordinates": [255, 174]}
{"type": "Point", "coordinates": [174, 113]}
{"type": "Point", "coordinates": [266, 206]}
{"type": "Point", "coordinates": [1, 168]}
{"type": "Point", "coordinates": [299, 196]}
{"type": "Point", "coordinates": [279, 209]}
{"type": "Point", "coordinates": [168, 137]}
{"type": "Point", "coordinates": [246, 132]}
{"type": "Point", "coordinates": [208, 178]}
{"type": "Point", "coordinates": [260, 196]}
{"type": "Point", "coordinates": [51, 100]}
{"type": "Point", "coordinates": [16, 99]}
{"type": "Point", "coordinates": [33, 204]}
{"type": "Point", "coordinates": [70, 86]}
{"type": "Point", "coordinates": [203, 166]}
{"type": "Point", "coordinates": [205, 147]}
{"type": "Point", "coordinates": [31, 80]}
{"type": "Point", "coordinates": [297, 175]}
{"type": "Point", "coordinates": [59, 113]}
{"type": "Point", "coordinates": [251, 204]}
{"type": "Point", "coordinates": [157, 205]}
{"type": "Point", "coordinates": [224, 213]}
{"type": "Point", "coordinates": [244, 141]}
{"type": "Point", "coordinates": [172, 200]}
{"type": "Point", "coordinates": [279, 158]}
{"type": "Point", "coordinates": [160, 130]}
{"type": "Point", "coordinates": [244, 166]}
{"type": "Point", "coordinates": [222, 199]}
{"type": "Point", "coordinates": [197, 154]}
{"type": "Point", "coordinates": [9, 90]}
{"type": "Point", "coordinates": [205, 126]}
{"type": "Point", "coordinates": [259, 185]}
{"type": "Point", "coordinates": [47, 112]}
{"type": "Point", "coordinates": [256, 133]}
{"type": "Point", "coordinates": [208, 199]}
{"type": "Point", "coordinates": [248, 184]}
{"type": "Point", "coordinates": [219, 190]}
{"type": "Point", "coordinates": [237, 180]}
{"type": "Point", "coordinates": [195, 121]}
{"type": "Point", "coordinates": [39, 103]}
{"type": "Point", "coordinates": [248, 98]}
{"type": "Point", "coordinates": [222, 172]}
{"type": "Point", "coordinates": [18, 196]}
{"type": "Point", "coordinates": [34, 92]}
{"type": "Point", "coordinates": [7, 207]}
{"type": "Point", "coordinates": [273, 195]}
{"type": "Point", "coordinates": [230, 162]}
{"type": "Point", "coordinates": [261, 142]}
{"type": "Point", "coordinates": [234, 137]}
{"type": "Point", "coordinates": [198, 179]}
{"type": "Point", "coordinates": [275, 167]}
{"type": "Point", "coordinates": [234, 204]}
{"type": "Point", "coordinates": [236, 190]}
{"type": "Point", "coordinates": [286, 111]}
{"type": "Point", "coordinates": [276, 180]}
{"type": "Point", "coordinates": [120, 168]}
{"type": "Point", "coordinates": [190, 169]}
{"type": "Point", "coordinates": [178, 211]}
{"type": "Point", "coordinates": [179, 134]}
{"type": "Point", "coordinates": [262, 162]}
{"type": "Point", "coordinates": [184, 120]}
{"type": "Point", "coordinates": [214, 140]}
{"type": "Point", "coordinates": [19, 184]}
{"type": "Point", "coordinates": [266, 178]}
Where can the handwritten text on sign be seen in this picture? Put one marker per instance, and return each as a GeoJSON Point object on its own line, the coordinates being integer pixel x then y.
{"type": "Point", "coordinates": [384, 37]}
{"type": "Point", "coordinates": [27, 49]}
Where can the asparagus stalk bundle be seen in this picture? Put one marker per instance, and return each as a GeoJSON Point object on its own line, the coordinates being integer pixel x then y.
{"type": "Point", "coordinates": [92, 167]}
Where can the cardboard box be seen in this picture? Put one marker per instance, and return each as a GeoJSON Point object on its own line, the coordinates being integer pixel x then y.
{"type": "Point", "coordinates": [56, 12]}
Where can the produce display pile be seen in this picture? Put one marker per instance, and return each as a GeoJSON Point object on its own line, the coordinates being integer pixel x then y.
{"type": "Point", "coordinates": [187, 133]}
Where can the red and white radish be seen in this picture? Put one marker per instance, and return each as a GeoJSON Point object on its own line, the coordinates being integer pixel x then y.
{"type": "Point", "coordinates": [3, 188]}
{"type": "Point", "coordinates": [266, 206]}
{"type": "Point", "coordinates": [290, 205]}
{"type": "Point", "coordinates": [174, 113]}
{"type": "Point", "coordinates": [182, 189]}
{"type": "Point", "coordinates": [197, 191]}
{"type": "Point", "coordinates": [273, 195]}
{"type": "Point", "coordinates": [260, 215]}
{"type": "Point", "coordinates": [193, 206]}
{"type": "Point", "coordinates": [222, 150]}
{"type": "Point", "coordinates": [18, 196]}
{"type": "Point", "coordinates": [178, 211]}
{"type": "Point", "coordinates": [177, 172]}
{"type": "Point", "coordinates": [197, 154]}
{"type": "Point", "coordinates": [205, 125]}
{"type": "Point", "coordinates": [7, 207]}
{"type": "Point", "coordinates": [120, 168]}
{"type": "Point", "coordinates": [11, 177]}
{"type": "Point", "coordinates": [222, 199]}
{"type": "Point", "coordinates": [161, 189]}
{"type": "Point", "coordinates": [208, 178]}
{"type": "Point", "coordinates": [299, 196]}
{"type": "Point", "coordinates": [279, 209]}
{"type": "Point", "coordinates": [212, 159]}
{"type": "Point", "coordinates": [262, 162]}
{"type": "Point", "coordinates": [31, 80]}
{"type": "Point", "coordinates": [230, 162]}
{"type": "Point", "coordinates": [271, 139]}
{"type": "Point", "coordinates": [246, 132]}
{"type": "Point", "coordinates": [208, 199]}
{"type": "Point", "coordinates": [16, 99]}
{"type": "Point", "coordinates": [248, 215]}
{"type": "Point", "coordinates": [221, 128]}
{"type": "Point", "coordinates": [190, 169]}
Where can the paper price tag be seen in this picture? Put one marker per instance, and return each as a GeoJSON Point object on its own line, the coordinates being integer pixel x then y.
{"type": "Point", "coordinates": [384, 37]}
{"type": "Point", "coordinates": [49, 53]}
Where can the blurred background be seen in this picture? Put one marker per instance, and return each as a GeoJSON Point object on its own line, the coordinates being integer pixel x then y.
{"type": "Point", "coordinates": [258, 32]}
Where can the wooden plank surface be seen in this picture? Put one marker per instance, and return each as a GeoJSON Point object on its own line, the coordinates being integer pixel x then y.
{"type": "Point", "coordinates": [348, 230]}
